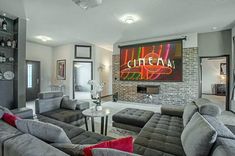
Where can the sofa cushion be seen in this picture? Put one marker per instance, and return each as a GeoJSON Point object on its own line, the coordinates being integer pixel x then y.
{"type": "Point", "coordinates": [198, 136]}
{"type": "Point", "coordinates": [67, 103]}
{"type": "Point", "coordinates": [69, 129]}
{"type": "Point", "coordinates": [159, 136]}
{"type": "Point", "coordinates": [82, 105]}
{"type": "Point", "coordinates": [110, 152]}
{"type": "Point", "coordinates": [64, 115]}
{"type": "Point", "coordinates": [189, 110]}
{"type": "Point", "coordinates": [174, 110]}
{"type": "Point", "coordinates": [131, 116]}
{"type": "Point", "coordinates": [88, 137]}
{"type": "Point", "coordinates": [28, 145]}
{"type": "Point", "coordinates": [46, 105]}
{"type": "Point", "coordinates": [201, 101]}
{"type": "Point", "coordinates": [221, 129]}
{"type": "Point", "coordinates": [44, 131]}
{"type": "Point", "coordinates": [209, 109]}
{"type": "Point", "coordinates": [223, 147]}
{"type": "Point", "coordinates": [7, 132]}
{"type": "Point", "coordinates": [71, 149]}
{"type": "Point", "coordinates": [48, 95]}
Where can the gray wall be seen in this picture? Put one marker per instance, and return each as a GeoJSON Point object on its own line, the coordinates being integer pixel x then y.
{"type": "Point", "coordinates": [21, 55]}
{"type": "Point", "coordinates": [215, 43]}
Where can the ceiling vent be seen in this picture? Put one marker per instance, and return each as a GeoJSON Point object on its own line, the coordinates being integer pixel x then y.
{"type": "Point", "coordinates": [86, 4]}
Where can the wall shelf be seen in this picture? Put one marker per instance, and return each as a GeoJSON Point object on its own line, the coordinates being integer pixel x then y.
{"type": "Point", "coordinates": [6, 32]}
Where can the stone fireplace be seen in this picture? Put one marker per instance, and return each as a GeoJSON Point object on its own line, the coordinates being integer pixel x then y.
{"type": "Point", "coordinates": [169, 92]}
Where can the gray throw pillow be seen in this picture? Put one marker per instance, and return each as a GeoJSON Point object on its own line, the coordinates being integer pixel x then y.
{"type": "Point", "coordinates": [45, 131]}
{"type": "Point", "coordinates": [5, 110]}
{"type": "Point", "coordinates": [210, 109]}
{"type": "Point", "coordinates": [110, 152]}
{"type": "Point", "coordinates": [189, 111]}
{"type": "Point", "coordinates": [68, 103]}
{"type": "Point", "coordinates": [198, 136]}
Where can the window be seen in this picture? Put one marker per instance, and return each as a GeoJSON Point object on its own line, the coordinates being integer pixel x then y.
{"type": "Point", "coordinates": [30, 75]}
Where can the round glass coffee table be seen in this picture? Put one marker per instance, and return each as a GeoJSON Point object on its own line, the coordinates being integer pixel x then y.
{"type": "Point", "coordinates": [92, 113]}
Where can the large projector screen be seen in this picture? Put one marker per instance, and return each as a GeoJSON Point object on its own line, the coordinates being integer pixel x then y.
{"type": "Point", "coordinates": [158, 61]}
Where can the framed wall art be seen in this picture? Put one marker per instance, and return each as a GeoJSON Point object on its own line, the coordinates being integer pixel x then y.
{"type": "Point", "coordinates": [61, 70]}
{"type": "Point", "coordinates": [82, 52]}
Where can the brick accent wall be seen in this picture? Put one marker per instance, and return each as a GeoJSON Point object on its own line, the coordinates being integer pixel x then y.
{"type": "Point", "coordinates": [170, 92]}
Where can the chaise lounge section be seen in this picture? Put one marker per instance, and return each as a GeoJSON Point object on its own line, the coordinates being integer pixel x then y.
{"type": "Point", "coordinates": [56, 106]}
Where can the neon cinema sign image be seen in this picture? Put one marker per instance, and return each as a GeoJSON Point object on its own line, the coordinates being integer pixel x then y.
{"type": "Point", "coordinates": [157, 62]}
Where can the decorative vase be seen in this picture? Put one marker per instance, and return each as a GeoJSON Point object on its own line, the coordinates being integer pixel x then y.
{"type": "Point", "coordinates": [98, 108]}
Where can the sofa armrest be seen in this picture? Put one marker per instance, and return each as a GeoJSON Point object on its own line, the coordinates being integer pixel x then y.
{"type": "Point", "coordinates": [173, 110]}
{"type": "Point", "coordinates": [24, 113]}
{"type": "Point", "coordinates": [82, 105]}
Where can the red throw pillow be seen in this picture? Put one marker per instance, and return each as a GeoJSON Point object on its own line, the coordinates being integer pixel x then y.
{"type": "Point", "coordinates": [10, 119]}
{"type": "Point", "coordinates": [122, 144]}
{"type": "Point", "coordinates": [87, 150]}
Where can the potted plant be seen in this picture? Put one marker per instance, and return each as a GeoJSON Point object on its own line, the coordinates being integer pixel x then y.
{"type": "Point", "coordinates": [97, 88]}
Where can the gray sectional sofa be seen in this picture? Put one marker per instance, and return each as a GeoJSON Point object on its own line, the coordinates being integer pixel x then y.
{"type": "Point", "coordinates": [181, 132]}
{"type": "Point", "coordinates": [16, 143]}
{"type": "Point", "coordinates": [56, 106]}
{"type": "Point", "coordinates": [193, 131]}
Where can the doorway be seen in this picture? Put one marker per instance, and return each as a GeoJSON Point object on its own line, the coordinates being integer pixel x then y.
{"type": "Point", "coordinates": [82, 73]}
{"type": "Point", "coordinates": [32, 80]}
{"type": "Point", "coordinates": [215, 80]}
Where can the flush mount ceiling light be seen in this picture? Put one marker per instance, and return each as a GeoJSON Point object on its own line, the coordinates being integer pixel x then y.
{"type": "Point", "coordinates": [214, 28]}
{"type": "Point", "coordinates": [86, 4]}
{"type": "Point", "coordinates": [129, 19]}
{"type": "Point", "coordinates": [44, 38]}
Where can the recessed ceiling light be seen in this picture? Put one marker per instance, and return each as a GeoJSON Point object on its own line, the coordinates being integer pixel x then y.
{"type": "Point", "coordinates": [129, 19]}
{"type": "Point", "coordinates": [4, 14]}
{"type": "Point", "coordinates": [214, 28]}
{"type": "Point", "coordinates": [27, 19]}
{"type": "Point", "coordinates": [44, 38]}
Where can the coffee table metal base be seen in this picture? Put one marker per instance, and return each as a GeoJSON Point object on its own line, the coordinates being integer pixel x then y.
{"type": "Point", "coordinates": [104, 127]}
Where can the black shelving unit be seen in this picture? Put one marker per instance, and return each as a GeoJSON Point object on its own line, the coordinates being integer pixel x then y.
{"type": "Point", "coordinates": [8, 87]}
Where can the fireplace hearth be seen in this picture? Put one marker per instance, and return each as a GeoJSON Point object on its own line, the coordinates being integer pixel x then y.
{"type": "Point", "coordinates": [148, 89]}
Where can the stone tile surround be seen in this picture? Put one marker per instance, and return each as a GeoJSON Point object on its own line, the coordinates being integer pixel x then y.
{"type": "Point", "coordinates": [170, 92]}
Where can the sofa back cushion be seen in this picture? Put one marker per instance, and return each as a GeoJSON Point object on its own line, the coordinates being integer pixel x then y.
{"type": "Point", "coordinates": [49, 95]}
{"type": "Point", "coordinates": [28, 145]}
{"type": "Point", "coordinates": [201, 101]}
{"type": "Point", "coordinates": [189, 111]}
{"type": "Point", "coordinates": [221, 129]}
{"type": "Point", "coordinates": [111, 152]}
{"type": "Point", "coordinates": [209, 109]}
{"type": "Point", "coordinates": [223, 147]}
{"type": "Point", "coordinates": [45, 131]}
{"type": "Point", "coordinates": [46, 105]}
{"type": "Point", "coordinates": [198, 136]}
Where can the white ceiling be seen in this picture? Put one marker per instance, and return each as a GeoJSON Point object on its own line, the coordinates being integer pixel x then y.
{"type": "Point", "coordinates": [65, 22]}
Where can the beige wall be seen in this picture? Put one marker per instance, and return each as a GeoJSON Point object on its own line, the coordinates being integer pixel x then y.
{"type": "Point", "coordinates": [42, 53]}
{"type": "Point", "coordinates": [100, 56]}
